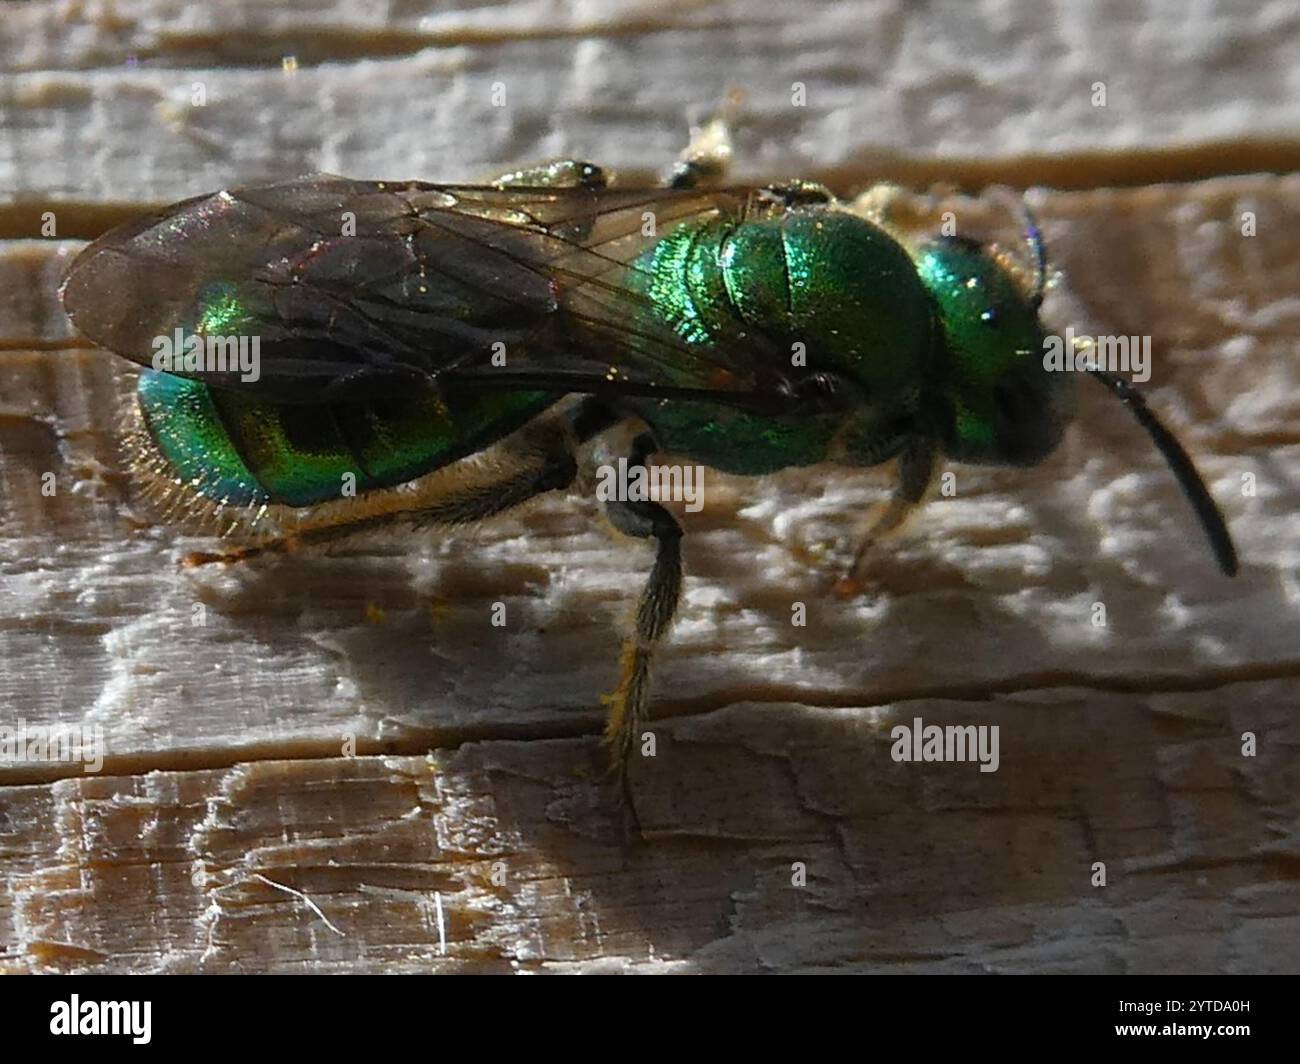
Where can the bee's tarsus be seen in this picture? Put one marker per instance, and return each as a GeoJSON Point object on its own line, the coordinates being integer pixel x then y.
{"type": "Point", "coordinates": [619, 778]}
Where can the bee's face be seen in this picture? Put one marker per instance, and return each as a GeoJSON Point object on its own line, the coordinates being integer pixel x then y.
{"type": "Point", "coordinates": [1000, 405]}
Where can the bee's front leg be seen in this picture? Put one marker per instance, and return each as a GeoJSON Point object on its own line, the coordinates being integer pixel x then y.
{"type": "Point", "coordinates": [915, 471]}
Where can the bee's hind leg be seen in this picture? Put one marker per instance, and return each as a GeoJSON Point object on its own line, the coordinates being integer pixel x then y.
{"type": "Point", "coordinates": [654, 616]}
{"type": "Point", "coordinates": [537, 459]}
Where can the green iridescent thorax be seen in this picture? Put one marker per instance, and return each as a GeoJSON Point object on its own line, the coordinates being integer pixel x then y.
{"type": "Point", "coordinates": [811, 289]}
{"type": "Point", "coordinates": [998, 404]}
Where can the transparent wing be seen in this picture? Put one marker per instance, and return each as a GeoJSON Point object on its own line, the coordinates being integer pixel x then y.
{"type": "Point", "coordinates": [359, 288]}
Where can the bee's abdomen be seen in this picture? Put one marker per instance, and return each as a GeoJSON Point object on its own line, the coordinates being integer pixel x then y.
{"type": "Point", "coordinates": [238, 450]}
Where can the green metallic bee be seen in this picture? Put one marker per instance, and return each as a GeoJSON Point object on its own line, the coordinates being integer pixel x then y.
{"type": "Point", "coordinates": [405, 326]}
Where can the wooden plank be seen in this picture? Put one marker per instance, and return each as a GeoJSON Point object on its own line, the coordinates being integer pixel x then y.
{"type": "Point", "coordinates": [99, 107]}
{"type": "Point", "coordinates": [924, 868]}
{"type": "Point", "coordinates": [1122, 744]}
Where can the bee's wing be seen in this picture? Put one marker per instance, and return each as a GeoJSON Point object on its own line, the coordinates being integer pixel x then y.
{"type": "Point", "coordinates": [360, 287]}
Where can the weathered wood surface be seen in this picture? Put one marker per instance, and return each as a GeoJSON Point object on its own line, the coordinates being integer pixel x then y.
{"type": "Point", "coordinates": [225, 788]}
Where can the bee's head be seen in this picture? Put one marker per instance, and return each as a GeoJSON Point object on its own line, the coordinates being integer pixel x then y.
{"type": "Point", "coordinates": [998, 405]}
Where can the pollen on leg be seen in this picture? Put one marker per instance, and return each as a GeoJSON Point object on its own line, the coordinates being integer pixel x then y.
{"type": "Point", "coordinates": [619, 721]}
{"type": "Point", "coordinates": [625, 704]}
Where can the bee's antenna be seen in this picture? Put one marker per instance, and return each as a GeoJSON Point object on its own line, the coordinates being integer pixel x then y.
{"type": "Point", "coordinates": [1034, 238]}
{"type": "Point", "coordinates": [1180, 464]}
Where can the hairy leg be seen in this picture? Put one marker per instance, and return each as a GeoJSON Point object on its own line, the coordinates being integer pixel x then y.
{"type": "Point", "coordinates": [654, 616]}
{"type": "Point", "coordinates": [537, 459]}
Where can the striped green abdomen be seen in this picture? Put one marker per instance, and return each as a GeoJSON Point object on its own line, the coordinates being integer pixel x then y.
{"type": "Point", "coordinates": [243, 451]}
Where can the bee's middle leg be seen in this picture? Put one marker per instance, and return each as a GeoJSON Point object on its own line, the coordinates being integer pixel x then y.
{"type": "Point", "coordinates": [654, 616]}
